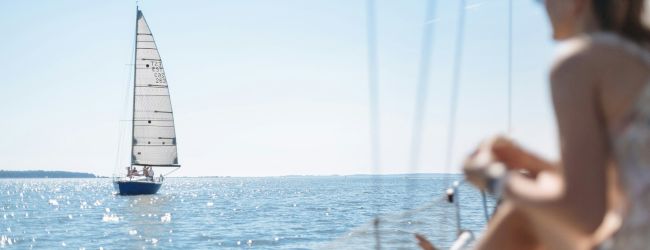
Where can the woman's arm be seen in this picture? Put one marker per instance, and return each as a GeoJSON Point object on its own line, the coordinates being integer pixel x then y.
{"type": "Point", "coordinates": [579, 197]}
{"type": "Point", "coordinates": [518, 158]}
{"type": "Point", "coordinates": [501, 149]}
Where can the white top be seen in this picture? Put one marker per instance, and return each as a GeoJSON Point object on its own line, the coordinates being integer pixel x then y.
{"type": "Point", "coordinates": [631, 147]}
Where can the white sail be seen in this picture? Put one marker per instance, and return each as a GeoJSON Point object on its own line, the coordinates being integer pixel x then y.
{"type": "Point", "coordinates": [154, 135]}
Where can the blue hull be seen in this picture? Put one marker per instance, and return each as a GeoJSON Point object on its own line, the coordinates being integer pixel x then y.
{"type": "Point", "coordinates": [136, 187]}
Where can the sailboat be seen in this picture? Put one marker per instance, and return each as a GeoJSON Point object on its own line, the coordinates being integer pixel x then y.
{"type": "Point", "coordinates": [153, 135]}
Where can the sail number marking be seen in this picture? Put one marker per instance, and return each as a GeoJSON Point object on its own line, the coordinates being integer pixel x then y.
{"type": "Point", "coordinates": [159, 72]}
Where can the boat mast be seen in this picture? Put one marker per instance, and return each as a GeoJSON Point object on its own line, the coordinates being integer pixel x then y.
{"type": "Point", "coordinates": [135, 70]}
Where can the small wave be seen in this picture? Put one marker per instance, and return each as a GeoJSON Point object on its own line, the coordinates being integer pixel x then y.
{"type": "Point", "coordinates": [110, 218]}
{"type": "Point", "coordinates": [4, 240]}
{"type": "Point", "coordinates": [53, 202]}
{"type": "Point", "coordinates": [166, 218]}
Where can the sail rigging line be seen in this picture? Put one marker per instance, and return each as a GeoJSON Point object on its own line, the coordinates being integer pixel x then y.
{"type": "Point", "coordinates": [453, 110]}
{"type": "Point", "coordinates": [455, 84]}
{"type": "Point", "coordinates": [426, 54]}
{"type": "Point", "coordinates": [373, 87]}
{"type": "Point", "coordinates": [426, 51]}
{"type": "Point", "coordinates": [510, 56]}
{"type": "Point", "coordinates": [373, 98]}
{"type": "Point", "coordinates": [509, 125]}
{"type": "Point", "coordinates": [486, 213]}
{"type": "Point", "coordinates": [509, 104]}
{"type": "Point", "coordinates": [131, 72]}
{"type": "Point", "coordinates": [422, 87]}
{"type": "Point", "coordinates": [121, 134]}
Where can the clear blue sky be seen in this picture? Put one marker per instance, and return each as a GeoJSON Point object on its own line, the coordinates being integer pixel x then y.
{"type": "Point", "coordinates": [265, 87]}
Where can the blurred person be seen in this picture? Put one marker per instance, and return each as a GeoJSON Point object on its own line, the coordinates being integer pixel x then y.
{"type": "Point", "coordinates": [598, 195]}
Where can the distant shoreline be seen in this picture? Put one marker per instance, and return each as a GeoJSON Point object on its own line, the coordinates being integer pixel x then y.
{"type": "Point", "coordinates": [44, 174]}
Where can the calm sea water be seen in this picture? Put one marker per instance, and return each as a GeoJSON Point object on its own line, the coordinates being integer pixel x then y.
{"type": "Point", "coordinates": [235, 213]}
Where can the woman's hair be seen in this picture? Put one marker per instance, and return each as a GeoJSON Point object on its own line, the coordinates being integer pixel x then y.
{"type": "Point", "coordinates": [631, 25]}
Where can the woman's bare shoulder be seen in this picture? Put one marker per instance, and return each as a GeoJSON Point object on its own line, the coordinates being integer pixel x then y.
{"type": "Point", "coordinates": [583, 61]}
{"type": "Point", "coordinates": [575, 64]}
{"type": "Point", "coordinates": [606, 50]}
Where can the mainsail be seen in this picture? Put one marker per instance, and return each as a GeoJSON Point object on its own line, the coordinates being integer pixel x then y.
{"type": "Point", "coordinates": [154, 135]}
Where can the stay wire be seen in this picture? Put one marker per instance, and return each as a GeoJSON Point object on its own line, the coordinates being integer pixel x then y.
{"type": "Point", "coordinates": [453, 108]}
{"type": "Point", "coordinates": [509, 125]}
{"type": "Point", "coordinates": [373, 98]}
{"type": "Point", "coordinates": [510, 57]}
{"type": "Point", "coordinates": [509, 104]}
{"type": "Point", "coordinates": [426, 54]}
{"type": "Point", "coordinates": [453, 100]}
{"type": "Point", "coordinates": [121, 132]}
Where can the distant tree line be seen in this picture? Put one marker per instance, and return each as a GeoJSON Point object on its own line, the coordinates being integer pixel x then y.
{"type": "Point", "coordinates": [43, 174]}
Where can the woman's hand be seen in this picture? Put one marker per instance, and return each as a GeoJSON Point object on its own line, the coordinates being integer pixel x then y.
{"type": "Point", "coordinates": [490, 160]}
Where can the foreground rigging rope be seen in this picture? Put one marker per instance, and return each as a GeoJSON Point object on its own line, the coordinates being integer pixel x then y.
{"type": "Point", "coordinates": [426, 53]}
{"type": "Point", "coordinates": [453, 105]}
{"type": "Point", "coordinates": [455, 85]}
{"type": "Point", "coordinates": [373, 97]}
{"type": "Point", "coordinates": [454, 96]}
